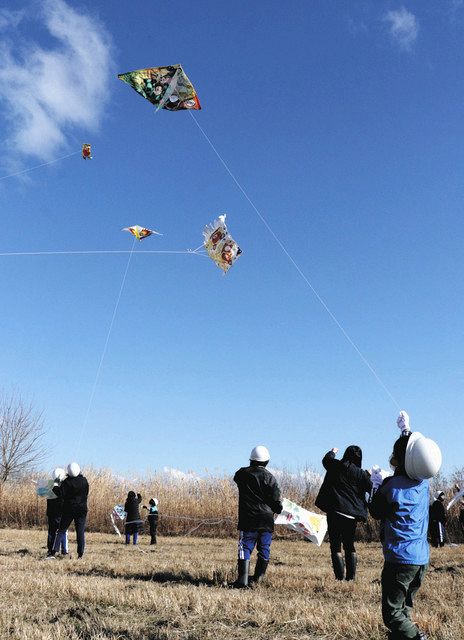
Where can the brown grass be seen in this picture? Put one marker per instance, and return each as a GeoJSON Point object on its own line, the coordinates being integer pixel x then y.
{"type": "Point", "coordinates": [175, 591]}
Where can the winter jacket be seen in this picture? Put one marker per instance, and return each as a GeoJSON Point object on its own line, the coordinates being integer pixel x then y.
{"type": "Point", "coordinates": [403, 505]}
{"type": "Point", "coordinates": [73, 492]}
{"type": "Point", "coordinates": [131, 507]}
{"type": "Point", "coordinates": [344, 488]}
{"type": "Point", "coordinates": [54, 507]}
{"type": "Point", "coordinates": [437, 512]}
{"type": "Point", "coordinates": [258, 499]}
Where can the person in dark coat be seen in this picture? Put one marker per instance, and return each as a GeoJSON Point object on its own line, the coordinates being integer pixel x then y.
{"type": "Point", "coordinates": [461, 516]}
{"type": "Point", "coordinates": [73, 491]}
{"type": "Point", "coordinates": [258, 501]}
{"type": "Point", "coordinates": [54, 511]}
{"type": "Point", "coordinates": [152, 518]}
{"type": "Point", "coordinates": [133, 520]}
{"type": "Point", "coordinates": [343, 497]}
{"type": "Point", "coordinates": [437, 521]}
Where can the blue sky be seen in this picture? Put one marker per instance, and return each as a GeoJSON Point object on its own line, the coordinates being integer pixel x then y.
{"type": "Point", "coordinates": [342, 122]}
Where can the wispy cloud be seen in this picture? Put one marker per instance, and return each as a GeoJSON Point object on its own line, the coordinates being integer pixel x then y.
{"type": "Point", "coordinates": [403, 28]}
{"type": "Point", "coordinates": [46, 91]}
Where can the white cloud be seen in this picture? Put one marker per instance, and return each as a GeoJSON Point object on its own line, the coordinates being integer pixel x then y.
{"type": "Point", "coordinates": [403, 28]}
{"type": "Point", "coordinates": [9, 18]}
{"type": "Point", "coordinates": [44, 92]}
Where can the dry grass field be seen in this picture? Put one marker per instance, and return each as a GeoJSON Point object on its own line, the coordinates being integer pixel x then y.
{"type": "Point", "coordinates": [176, 591]}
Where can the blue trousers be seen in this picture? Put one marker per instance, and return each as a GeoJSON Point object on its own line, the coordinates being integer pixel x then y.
{"type": "Point", "coordinates": [248, 540]}
{"type": "Point", "coordinates": [135, 537]}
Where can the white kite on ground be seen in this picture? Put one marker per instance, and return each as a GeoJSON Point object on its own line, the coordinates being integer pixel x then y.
{"type": "Point", "coordinates": [313, 526]}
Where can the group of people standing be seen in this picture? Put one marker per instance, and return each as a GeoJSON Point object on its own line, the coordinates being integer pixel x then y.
{"type": "Point", "coordinates": [70, 505]}
{"type": "Point", "coordinates": [400, 503]}
{"type": "Point", "coordinates": [134, 522]}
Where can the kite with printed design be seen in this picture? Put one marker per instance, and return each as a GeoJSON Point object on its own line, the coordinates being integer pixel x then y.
{"type": "Point", "coordinates": [313, 526]}
{"type": "Point", "coordinates": [87, 151]}
{"type": "Point", "coordinates": [220, 245]}
{"type": "Point", "coordinates": [165, 87]}
{"type": "Point", "coordinates": [44, 489]}
{"type": "Point", "coordinates": [141, 233]}
{"type": "Point", "coordinates": [118, 513]}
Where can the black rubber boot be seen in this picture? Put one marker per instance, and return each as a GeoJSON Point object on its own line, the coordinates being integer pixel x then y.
{"type": "Point", "coordinates": [338, 565]}
{"type": "Point", "coordinates": [242, 579]}
{"type": "Point", "coordinates": [260, 570]}
{"type": "Point", "coordinates": [351, 560]}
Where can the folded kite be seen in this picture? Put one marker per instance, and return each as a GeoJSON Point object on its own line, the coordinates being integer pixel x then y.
{"type": "Point", "coordinates": [313, 526]}
{"type": "Point", "coordinates": [165, 87]}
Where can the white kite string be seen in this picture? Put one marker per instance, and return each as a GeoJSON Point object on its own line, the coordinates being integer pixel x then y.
{"type": "Point", "coordinates": [105, 348]}
{"type": "Point", "coordinates": [37, 166]}
{"type": "Point", "coordinates": [81, 253]}
{"type": "Point", "coordinates": [295, 264]}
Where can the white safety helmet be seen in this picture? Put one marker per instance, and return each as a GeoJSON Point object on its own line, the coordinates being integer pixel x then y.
{"type": "Point", "coordinates": [260, 454]}
{"type": "Point", "coordinates": [155, 500]}
{"type": "Point", "coordinates": [423, 457]}
{"type": "Point", "coordinates": [73, 469]}
{"type": "Point", "coordinates": [59, 474]}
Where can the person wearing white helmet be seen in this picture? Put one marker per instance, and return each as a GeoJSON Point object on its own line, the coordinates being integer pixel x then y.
{"type": "Point", "coordinates": [402, 505]}
{"type": "Point", "coordinates": [259, 500]}
{"type": "Point", "coordinates": [437, 516]}
{"type": "Point", "coordinates": [74, 491]}
{"type": "Point", "coordinates": [152, 518]}
{"type": "Point", "coordinates": [54, 510]}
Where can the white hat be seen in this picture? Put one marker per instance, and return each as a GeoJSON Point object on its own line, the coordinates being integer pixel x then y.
{"type": "Point", "coordinates": [73, 469]}
{"type": "Point", "coordinates": [260, 454]}
{"type": "Point", "coordinates": [58, 474]}
{"type": "Point", "coordinates": [423, 457]}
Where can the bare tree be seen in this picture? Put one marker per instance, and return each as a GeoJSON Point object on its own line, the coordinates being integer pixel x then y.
{"type": "Point", "coordinates": [21, 437]}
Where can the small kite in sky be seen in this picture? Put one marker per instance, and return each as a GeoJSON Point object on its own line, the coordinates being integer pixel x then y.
{"type": "Point", "coordinates": [87, 151]}
{"type": "Point", "coordinates": [220, 245]}
{"type": "Point", "coordinates": [165, 87]}
{"type": "Point", "coordinates": [140, 232]}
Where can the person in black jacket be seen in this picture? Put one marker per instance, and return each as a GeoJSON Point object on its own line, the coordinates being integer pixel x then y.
{"type": "Point", "coordinates": [437, 521]}
{"type": "Point", "coordinates": [73, 491]}
{"type": "Point", "coordinates": [258, 501]}
{"type": "Point", "coordinates": [343, 497]}
{"type": "Point", "coordinates": [54, 510]}
{"type": "Point", "coordinates": [133, 520]}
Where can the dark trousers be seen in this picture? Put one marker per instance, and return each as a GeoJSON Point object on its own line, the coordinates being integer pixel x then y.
{"type": "Point", "coordinates": [53, 526]}
{"type": "Point", "coordinates": [79, 525]}
{"type": "Point", "coordinates": [437, 533]}
{"type": "Point", "coordinates": [153, 522]}
{"type": "Point", "coordinates": [400, 583]}
{"type": "Point", "coordinates": [341, 531]}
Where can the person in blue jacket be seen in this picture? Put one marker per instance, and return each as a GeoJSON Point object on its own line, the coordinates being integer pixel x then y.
{"type": "Point", "coordinates": [402, 504]}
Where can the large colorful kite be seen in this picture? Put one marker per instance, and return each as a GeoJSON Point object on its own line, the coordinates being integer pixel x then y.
{"type": "Point", "coordinates": [220, 245]}
{"type": "Point", "coordinates": [165, 87]}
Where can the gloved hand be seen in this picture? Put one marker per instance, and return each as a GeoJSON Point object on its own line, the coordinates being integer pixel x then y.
{"type": "Point", "coordinates": [403, 422]}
